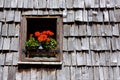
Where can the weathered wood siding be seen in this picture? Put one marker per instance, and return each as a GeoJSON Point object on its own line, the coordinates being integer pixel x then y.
{"type": "Point", "coordinates": [91, 41]}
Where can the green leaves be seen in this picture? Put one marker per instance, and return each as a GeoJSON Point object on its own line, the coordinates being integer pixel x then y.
{"type": "Point", "coordinates": [50, 45]}
{"type": "Point", "coordinates": [31, 43]}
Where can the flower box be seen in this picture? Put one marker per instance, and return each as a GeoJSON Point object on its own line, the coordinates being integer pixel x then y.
{"type": "Point", "coordinates": [41, 53]}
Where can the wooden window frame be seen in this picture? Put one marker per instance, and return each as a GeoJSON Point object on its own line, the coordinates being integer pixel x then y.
{"type": "Point", "coordinates": [59, 34]}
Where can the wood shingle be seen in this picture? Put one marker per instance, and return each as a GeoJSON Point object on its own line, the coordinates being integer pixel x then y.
{"type": "Point", "coordinates": [91, 39]}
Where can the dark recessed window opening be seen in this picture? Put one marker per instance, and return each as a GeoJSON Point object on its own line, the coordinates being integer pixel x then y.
{"type": "Point", "coordinates": [41, 24]}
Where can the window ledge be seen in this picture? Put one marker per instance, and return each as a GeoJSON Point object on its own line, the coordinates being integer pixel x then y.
{"type": "Point", "coordinates": [40, 63]}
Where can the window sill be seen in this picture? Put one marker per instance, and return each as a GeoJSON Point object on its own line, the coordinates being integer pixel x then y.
{"type": "Point", "coordinates": [41, 56]}
{"type": "Point", "coordinates": [40, 63]}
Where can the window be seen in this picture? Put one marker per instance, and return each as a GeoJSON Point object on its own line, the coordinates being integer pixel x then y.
{"type": "Point", "coordinates": [29, 27]}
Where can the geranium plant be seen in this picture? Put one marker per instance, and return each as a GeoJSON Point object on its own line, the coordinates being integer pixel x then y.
{"type": "Point", "coordinates": [44, 39]}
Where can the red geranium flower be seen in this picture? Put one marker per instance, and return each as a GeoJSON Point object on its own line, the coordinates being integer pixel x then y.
{"type": "Point", "coordinates": [37, 33]}
{"type": "Point", "coordinates": [42, 38]}
{"type": "Point", "coordinates": [44, 32]}
{"type": "Point", "coordinates": [50, 33]}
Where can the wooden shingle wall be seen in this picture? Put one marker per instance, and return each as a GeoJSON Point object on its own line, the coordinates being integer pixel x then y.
{"type": "Point", "coordinates": [91, 41]}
